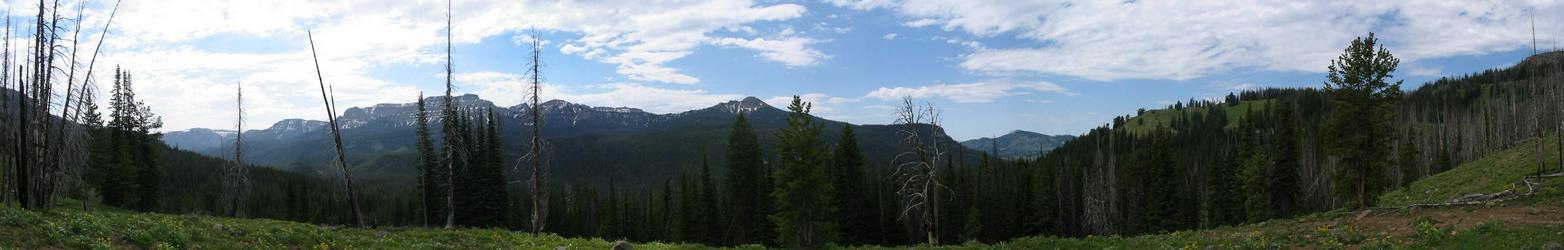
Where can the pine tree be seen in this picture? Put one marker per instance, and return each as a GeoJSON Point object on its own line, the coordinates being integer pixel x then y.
{"type": "Point", "coordinates": [131, 176]}
{"type": "Point", "coordinates": [1359, 127]}
{"type": "Point", "coordinates": [1283, 181]}
{"type": "Point", "coordinates": [496, 195]}
{"type": "Point", "coordinates": [803, 194]}
{"type": "Point", "coordinates": [689, 227]}
{"type": "Point", "coordinates": [1408, 159]}
{"type": "Point", "coordinates": [855, 214]}
{"type": "Point", "coordinates": [431, 178]}
{"type": "Point", "coordinates": [1254, 175]}
{"type": "Point", "coordinates": [708, 214]}
{"type": "Point", "coordinates": [464, 200]}
{"type": "Point", "coordinates": [482, 200]}
{"type": "Point", "coordinates": [743, 185]}
{"type": "Point", "coordinates": [1161, 190]}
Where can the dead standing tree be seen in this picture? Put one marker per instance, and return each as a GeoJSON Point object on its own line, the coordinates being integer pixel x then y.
{"type": "Point", "coordinates": [535, 155]}
{"type": "Point", "coordinates": [448, 129]}
{"type": "Point", "coordinates": [916, 171]}
{"type": "Point", "coordinates": [47, 150]}
{"type": "Point", "coordinates": [237, 178]}
{"type": "Point", "coordinates": [331, 118]}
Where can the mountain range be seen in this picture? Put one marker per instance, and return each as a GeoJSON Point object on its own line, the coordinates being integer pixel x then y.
{"type": "Point", "coordinates": [1018, 144]}
{"type": "Point", "coordinates": [591, 144]}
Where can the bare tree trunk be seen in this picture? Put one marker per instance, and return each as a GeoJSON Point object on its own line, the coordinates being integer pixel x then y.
{"type": "Point", "coordinates": [449, 115]}
{"type": "Point", "coordinates": [539, 170]}
{"type": "Point", "coordinates": [238, 177]}
{"type": "Point", "coordinates": [331, 118]}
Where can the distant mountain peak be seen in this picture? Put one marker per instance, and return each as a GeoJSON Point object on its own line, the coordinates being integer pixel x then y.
{"type": "Point", "coordinates": [1018, 143]}
{"type": "Point", "coordinates": [746, 105]}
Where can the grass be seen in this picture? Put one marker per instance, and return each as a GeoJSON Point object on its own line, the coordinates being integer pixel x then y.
{"type": "Point", "coordinates": [75, 229]}
{"type": "Point", "coordinates": [1495, 173]}
{"type": "Point", "coordinates": [1163, 118]}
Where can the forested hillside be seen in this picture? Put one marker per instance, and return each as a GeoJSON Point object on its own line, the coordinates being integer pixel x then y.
{"type": "Point", "coordinates": [745, 173]}
{"type": "Point", "coordinates": [1018, 144]}
{"type": "Point", "coordinates": [601, 144]}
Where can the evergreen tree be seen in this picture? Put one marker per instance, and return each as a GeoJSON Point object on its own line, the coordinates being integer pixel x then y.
{"type": "Point", "coordinates": [130, 176]}
{"type": "Point", "coordinates": [485, 179]}
{"type": "Point", "coordinates": [689, 226]}
{"type": "Point", "coordinates": [803, 194]}
{"type": "Point", "coordinates": [431, 177]}
{"type": "Point", "coordinates": [1161, 209]}
{"type": "Point", "coordinates": [464, 182]}
{"type": "Point", "coordinates": [1283, 181]}
{"type": "Point", "coordinates": [1359, 127]}
{"type": "Point", "coordinates": [854, 213]}
{"type": "Point", "coordinates": [743, 185]}
{"type": "Point", "coordinates": [1254, 173]}
{"type": "Point", "coordinates": [1408, 159]}
{"type": "Point", "coordinates": [708, 216]}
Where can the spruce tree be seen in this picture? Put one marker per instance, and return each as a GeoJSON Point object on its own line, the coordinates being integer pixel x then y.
{"type": "Point", "coordinates": [743, 185]}
{"type": "Point", "coordinates": [708, 214]}
{"type": "Point", "coordinates": [1283, 181]}
{"type": "Point", "coordinates": [854, 213]}
{"type": "Point", "coordinates": [430, 176]}
{"type": "Point", "coordinates": [131, 176]}
{"type": "Point", "coordinates": [1408, 159]}
{"type": "Point", "coordinates": [688, 227]}
{"type": "Point", "coordinates": [1359, 128]}
{"type": "Point", "coordinates": [804, 193]}
{"type": "Point", "coordinates": [494, 179]}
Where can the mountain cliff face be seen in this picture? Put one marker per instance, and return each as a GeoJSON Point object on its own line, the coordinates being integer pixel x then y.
{"type": "Point", "coordinates": [1018, 144]}
{"type": "Point", "coordinates": [592, 144]}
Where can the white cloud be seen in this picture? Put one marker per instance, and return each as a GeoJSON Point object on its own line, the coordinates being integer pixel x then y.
{"type": "Point", "coordinates": [863, 4]}
{"type": "Point", "coordinates": [890, 36]}
{"type": "Point", "coordinates": [824, 105]}
{"type": "Point", "coordinates": [184, 51]}
{"type": "Point", "coordinates": [790, 51]}
{"type": "Point", "coordinates": [978, 92]}
{"type": "Point", "coordinates": [508, 89]}
{"type": "Point", "coordinates": [1180, 40]}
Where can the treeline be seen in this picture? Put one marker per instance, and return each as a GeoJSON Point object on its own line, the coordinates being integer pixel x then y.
{"type": "Point", "coordinates": [1257, 155]}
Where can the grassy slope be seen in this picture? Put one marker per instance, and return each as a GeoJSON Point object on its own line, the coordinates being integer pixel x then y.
{"type": "Point", "coordinates": [1162, 118]}
{"type": "Point", "coordinates": [1498, 172]}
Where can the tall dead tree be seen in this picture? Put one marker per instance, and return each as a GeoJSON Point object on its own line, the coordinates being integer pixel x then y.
{"type": "Point", "coordinates": [47, 150]}
{"type": "Point", "coordinates": [331, 118]}
{"type": "Point", "coordinates": [916, 170]}
{"type": "Point", "coordinates": [13, 143]}
{"type": "Point", "coordinates": [535, 156]}
{"type": "Point", "coordinates": [448, 117]}
{"type": "Point", "coordinates": [237, 176]}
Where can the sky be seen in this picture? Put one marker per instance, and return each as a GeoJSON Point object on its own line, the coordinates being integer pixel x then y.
{"type": "Point", "coordinates": [991, 66]}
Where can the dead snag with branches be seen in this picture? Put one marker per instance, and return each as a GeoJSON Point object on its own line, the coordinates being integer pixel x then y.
{"type": "Point", "coordinates": [916, 171]}
{"type": "Point", "coordinates": [237, 178]}
{"type": "Point", "coordinates": [535, 155]}
{"type": "Point", "coordinates": [48, 153]}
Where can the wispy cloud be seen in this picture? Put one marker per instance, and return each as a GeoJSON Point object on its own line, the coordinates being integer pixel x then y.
{"type": "Point", "coordinates": [508, 89]}
{"type": "Point", "coordinates": [977, 92]}
{"type": "Point", "coordinates": [1180, 40]}
{"type": "Point", "coordinates": [823, 105]}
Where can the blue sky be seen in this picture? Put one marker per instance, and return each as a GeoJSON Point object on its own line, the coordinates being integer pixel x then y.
{"type": "Point", "coordinates": [1056, 67]}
